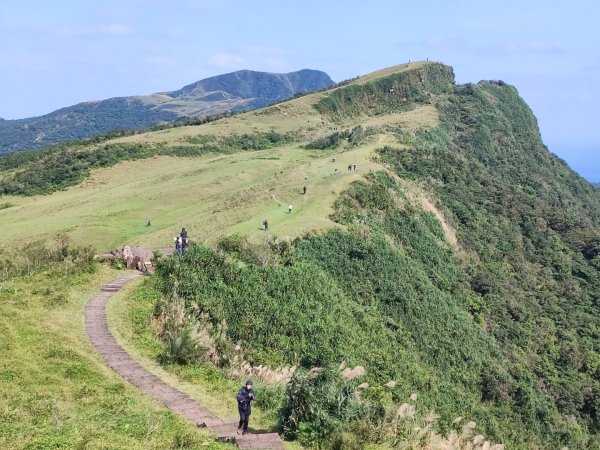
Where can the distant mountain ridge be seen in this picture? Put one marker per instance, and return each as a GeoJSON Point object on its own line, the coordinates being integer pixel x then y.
{"type": "Point", "coordinates": [241, 90]}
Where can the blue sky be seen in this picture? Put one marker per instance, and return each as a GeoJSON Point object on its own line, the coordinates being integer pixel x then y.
{"type": "Point", "coordinates": [55, 54]}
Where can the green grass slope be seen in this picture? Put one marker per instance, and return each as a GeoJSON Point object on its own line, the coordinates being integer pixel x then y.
{"type": "Point", "coordinates": [460, 260]}
{"type": "Point", "coordinates": [55, 390]}
{"type": "Point", "coordinates": [210, 186]}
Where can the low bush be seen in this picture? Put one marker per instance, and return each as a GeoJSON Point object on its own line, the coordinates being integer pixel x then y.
{"type": "Point", "coordinates": [317, 404]}
{"type": "Point", "coordinates": [57, 254]}
{"type": "Point", "coordinates": [354, 137]}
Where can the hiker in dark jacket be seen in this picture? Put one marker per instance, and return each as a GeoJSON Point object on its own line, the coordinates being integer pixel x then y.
{"type": "Point", "coordinates": [244, 397]}
{"type": "Point", "coordinates": [184, 240]}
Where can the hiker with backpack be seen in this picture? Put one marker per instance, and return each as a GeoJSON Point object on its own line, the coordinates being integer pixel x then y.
{"type": "Point", "coordinates": [244, 397]}
{"type": "Point", "coordinates": [184, 240]}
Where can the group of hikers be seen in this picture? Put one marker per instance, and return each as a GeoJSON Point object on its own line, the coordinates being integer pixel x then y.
{"type": "Point", "coordinates": [181, 242]}
{"type": "Point", "coordinates": [290, 207]}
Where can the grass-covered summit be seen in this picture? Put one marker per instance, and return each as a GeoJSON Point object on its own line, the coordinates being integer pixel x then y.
{"type": "Point", "coordinates": [460, 260]}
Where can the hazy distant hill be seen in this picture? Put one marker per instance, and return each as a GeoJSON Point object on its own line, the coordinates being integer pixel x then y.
{"type": "Point", "coordinates": [244, 89]}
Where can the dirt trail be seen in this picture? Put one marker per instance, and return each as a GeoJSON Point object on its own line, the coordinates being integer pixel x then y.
{"type": "Point", "coordinates": [120, 361]}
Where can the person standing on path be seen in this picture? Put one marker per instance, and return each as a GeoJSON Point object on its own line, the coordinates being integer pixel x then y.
{"type": "Point", "coordinates": [304, 190]}
{"type": "Point", "coordinates": [184, 240]}
{"type": "Point", "coordinates": [290, 209]}
{"type": "Point", "coordinates": [178, 246]}
{"type": "Point", "coordinates": [244, 397]}
{"type": "Point", "coordinates": [266, 224]}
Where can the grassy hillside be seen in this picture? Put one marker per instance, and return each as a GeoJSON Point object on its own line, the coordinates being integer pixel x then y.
{"type": "Point", "coordinates": [211, 187]}
{"type": "Point", "coordinates": [460, 260]}
{"type": "Point", "coordinates": [55, 390]}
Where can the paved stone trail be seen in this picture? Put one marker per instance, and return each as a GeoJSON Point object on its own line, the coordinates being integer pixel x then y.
{"type": "Point", "coordinates": [119, 360]}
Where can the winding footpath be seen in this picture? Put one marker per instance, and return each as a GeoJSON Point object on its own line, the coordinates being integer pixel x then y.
{"type": "Point", "coordinates": [120, 361]}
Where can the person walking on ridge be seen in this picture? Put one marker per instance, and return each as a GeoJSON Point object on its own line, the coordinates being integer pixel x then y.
{"type": "Point", "coordinates": [244, 397]}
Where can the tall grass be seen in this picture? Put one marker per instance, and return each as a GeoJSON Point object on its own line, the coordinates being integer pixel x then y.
{"type": "Point", "coordinates": [55, 390]}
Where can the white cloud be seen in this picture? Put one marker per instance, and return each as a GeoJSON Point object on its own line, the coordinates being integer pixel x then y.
{"type": "Point", "coordinates": [254, 57]}
{"type": "Point", "coordinates": [228, 61]}
{"type": "Point", "coordinates": [274, 65]}
{"type": "Point", "coordinates": [534, 47]}
{"type": "Point", "coordinates": [176, 33]}
{"type": "Point", "coordinates": [160, 60]}
{"type": "Point", "coordinates": [509, 47]}
{"type": "Point", "coordinates": [115, 29]}
{"type": "Point", "coordinates": [263, 50]}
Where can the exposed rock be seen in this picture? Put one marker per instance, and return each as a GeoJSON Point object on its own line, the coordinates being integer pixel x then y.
{"type": "Point", "coordinates": [135, 258]}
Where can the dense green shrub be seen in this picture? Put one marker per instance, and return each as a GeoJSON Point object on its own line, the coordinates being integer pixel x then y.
{"type": "Point", "coordinates": [397, 92]}
{"type": "Point", "coordinates": [501, 328]}
{"type": "Point", "coordinates": [46, 171]}
{"type": "Point", "coordinates": [263, 306]}
{"type": "Point", "coordinates": [530, 221]}
{"type": "Point", "coordinates": [317, 404]}
{"type": "Point", "coordinates": [342, 297]}
{"type": "Point", "coordinates": [355, 137]}
{"type": "Point", "coordinates": [246, 141]}
{"type": "Point", "coordinates": [326, 142]}
{"type": "Point", "coordinates": [55, 256]}
{"type": "Point", "coordinates": [181, 347]}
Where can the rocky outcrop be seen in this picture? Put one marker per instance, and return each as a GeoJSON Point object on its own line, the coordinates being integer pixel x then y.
{"type": "Point", "coordinates": [134, 258]}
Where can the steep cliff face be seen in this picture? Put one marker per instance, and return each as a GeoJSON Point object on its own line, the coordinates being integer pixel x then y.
{"type": "Point", "coordinates": [529, 228]}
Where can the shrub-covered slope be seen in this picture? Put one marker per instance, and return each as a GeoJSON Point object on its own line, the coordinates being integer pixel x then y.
{"type": "Point", "coordinates": [463, 263]}
{"type": "Point", "coordinates": [500, 325]}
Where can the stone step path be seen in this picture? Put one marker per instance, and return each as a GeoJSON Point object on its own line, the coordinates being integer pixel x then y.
{"type": "Point", "coordinates": [120, 361]}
